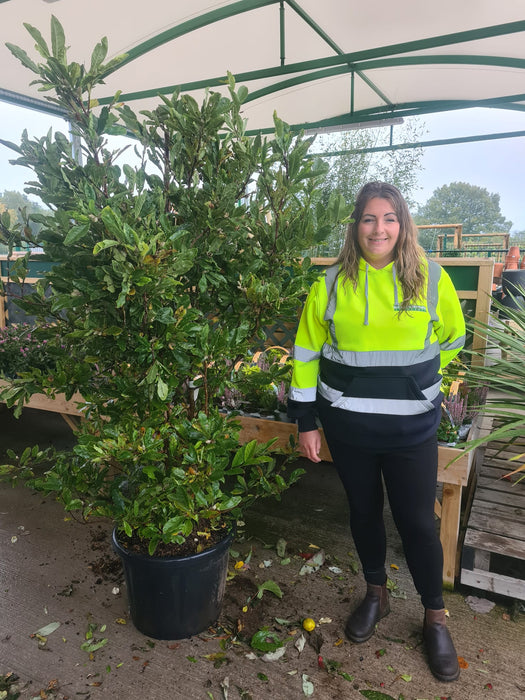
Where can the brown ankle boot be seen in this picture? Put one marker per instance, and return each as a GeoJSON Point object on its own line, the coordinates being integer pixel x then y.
{"type": "Point", "coordinates": [361, 624]}
{"type": "Point", "coordinates": [442, 656]}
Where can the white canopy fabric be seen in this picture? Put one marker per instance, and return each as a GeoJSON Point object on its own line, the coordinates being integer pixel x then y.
{"type": "Point", "coordinates": [317, 63]}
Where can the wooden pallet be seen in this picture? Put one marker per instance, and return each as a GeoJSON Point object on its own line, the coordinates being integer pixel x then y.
{"type": "Point", "coordinates": [493, 556]}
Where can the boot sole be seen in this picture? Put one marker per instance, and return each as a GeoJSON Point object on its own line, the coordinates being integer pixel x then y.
{"type": "Point", "coordinates": [360, 640]}
{"type": "Point", "coordinates": [446, 679]}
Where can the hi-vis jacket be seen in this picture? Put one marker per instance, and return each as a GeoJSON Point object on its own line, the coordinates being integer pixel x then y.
{"type": "Point", "coordinates": [372, 374]}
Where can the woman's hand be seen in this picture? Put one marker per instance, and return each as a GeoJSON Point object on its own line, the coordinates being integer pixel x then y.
{"type": "Point", "coordinates": [310, 445]}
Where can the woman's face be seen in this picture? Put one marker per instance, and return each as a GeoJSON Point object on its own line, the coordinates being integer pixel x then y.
{"type": "Point", "coordinates": [377, 232]}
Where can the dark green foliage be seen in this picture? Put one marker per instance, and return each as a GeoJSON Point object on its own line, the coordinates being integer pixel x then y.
{"type": "Point", "coordinates": [166, 273]}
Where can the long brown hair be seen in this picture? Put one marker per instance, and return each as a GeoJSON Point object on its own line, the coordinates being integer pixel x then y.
{"type": "Point", "coordinates": [408, 254]}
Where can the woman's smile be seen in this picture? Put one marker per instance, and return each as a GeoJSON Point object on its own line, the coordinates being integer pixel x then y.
{"type": "Point", "coordinates": [377, 232]}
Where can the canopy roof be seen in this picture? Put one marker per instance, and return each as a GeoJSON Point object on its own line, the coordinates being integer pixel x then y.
{"type": "Point", "coordinates": [317, 63]}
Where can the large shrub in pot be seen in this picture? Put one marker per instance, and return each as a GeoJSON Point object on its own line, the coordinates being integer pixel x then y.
{"type": "Point", "coordinates": [167, 270]}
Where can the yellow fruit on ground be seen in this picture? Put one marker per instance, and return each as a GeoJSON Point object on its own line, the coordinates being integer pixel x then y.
{"type": "Point", "coordinates": [308, 624]}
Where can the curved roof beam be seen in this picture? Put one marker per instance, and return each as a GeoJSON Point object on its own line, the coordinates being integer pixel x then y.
{"type": "Point", "coordinates": [422, 144]}
{"type": "Point", "coordinates": [391, 49]}
{"type": "Point", "coordinates": [305, 77]}
{"type": "Point", "coordinates": [407, 109]}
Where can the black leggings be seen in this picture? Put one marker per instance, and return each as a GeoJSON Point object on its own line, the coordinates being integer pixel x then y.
{"type": "Point", "coordinates": [410, 477]}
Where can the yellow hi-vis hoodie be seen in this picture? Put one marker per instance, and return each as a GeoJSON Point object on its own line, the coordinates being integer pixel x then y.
{"type": "Point", "coordinates": [373, 374]}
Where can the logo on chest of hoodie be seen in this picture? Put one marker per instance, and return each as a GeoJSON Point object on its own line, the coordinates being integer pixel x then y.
{"type": "Point", "coordinates": [410, 307]}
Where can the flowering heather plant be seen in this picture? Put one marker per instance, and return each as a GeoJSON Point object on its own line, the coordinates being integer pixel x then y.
{"type": "Point", "coordinates": [460, 409]}
{"type": "Point", "coordinates": [455, 407]}
{"type": "Point", "coordinates": [476, 399]}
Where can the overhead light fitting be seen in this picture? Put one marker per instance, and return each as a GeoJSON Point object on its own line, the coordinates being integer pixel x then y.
{"type": "Point", "coordinates": [356, 125]}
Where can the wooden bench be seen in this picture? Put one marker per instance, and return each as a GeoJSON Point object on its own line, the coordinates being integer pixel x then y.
{"type": "Point", "coordinates": [493, 556]}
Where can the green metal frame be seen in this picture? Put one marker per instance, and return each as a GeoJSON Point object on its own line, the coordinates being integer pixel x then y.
{"type": "Point", "coordinates": [355, 64]}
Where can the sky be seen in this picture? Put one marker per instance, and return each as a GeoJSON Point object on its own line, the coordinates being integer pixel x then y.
{"type": "Point", "coordinates": [498, 166]}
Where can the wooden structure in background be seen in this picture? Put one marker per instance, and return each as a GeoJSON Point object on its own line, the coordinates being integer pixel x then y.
{"type": "Point", "coordinates": [493, 555]}
{"type": "Point", "coordinates": [457, 233]}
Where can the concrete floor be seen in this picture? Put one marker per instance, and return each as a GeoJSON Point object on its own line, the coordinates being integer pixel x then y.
{"type": "Point", "coordinates": [57, 570]}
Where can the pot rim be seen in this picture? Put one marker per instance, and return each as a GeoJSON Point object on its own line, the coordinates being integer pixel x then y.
{"type": "Point", "coordinates": [122, 551]}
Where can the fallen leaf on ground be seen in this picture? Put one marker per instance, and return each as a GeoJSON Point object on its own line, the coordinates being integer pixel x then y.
{"type": "Point", "coordinates": [299, 643]}
{"type": "Point", "coordinates": [225, 686]}
{"type": "Point", "coordinates": [308, 686]}
{"type": "Point", "coordinates": [274, 655]}
{"type": "Point", "coordinates": [270, 586]}
{"type": "Point", "coordinates": [281, 547]}
{"type": "Point", "coordinates": [335, 570]}
{"type": "Point", "coordinates": [375, 695]}
{"type": "Point", "coordinates": [265, 640]}
{"type": "Point", "coordinates": [48, 629]}
{"type": "Point", "coordinates": [462, 663]}
{"type": "Point", "coordinates": [313, 564]}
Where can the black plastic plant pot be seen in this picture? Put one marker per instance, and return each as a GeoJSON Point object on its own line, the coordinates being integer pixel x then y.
{"type": "Point", "coordinates": [175, 597]}
{"type": "Point", "coordinates": [513, 282]}
{"type": "Point", "coordinates": [511, 302]}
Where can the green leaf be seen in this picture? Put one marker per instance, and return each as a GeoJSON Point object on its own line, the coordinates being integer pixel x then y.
{"type": "Point", "coordinates": [58, 40]}
{"type": "Point", "coordinates": [76, 234]}
{"type": "Point", "coordinates": [375, 695]}
{"type": "Point", "coordinates": [102, 245]}
{"type": "Point", "coordinates": [162, 389]}
{"type": "Point", "coordinates": [269, 586]}
{"type": "Point", "coordinates": [242, 93]}
{"type": "Point", "coordinates": [41, 44]}
{"type": "Point", "coordinates": [346, 676]}
{"type": "Point", "coordinates": [90, 647]}
{"type": "Point", "coordinates": [48, 629]}
{"type": "Point", "coordinates": [264, 640]}
{"type": "Point", "coordinates": [22, 57]}
{"type": "Point", "coordinates": [99, 54]}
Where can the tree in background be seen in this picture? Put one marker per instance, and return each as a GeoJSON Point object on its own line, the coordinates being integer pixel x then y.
{"type": "Point", "coordinates": [19, 207]}
{"type": "Point", "coordinates": [349, 171]}
{"type": "Point", "coordinates": [518, 238]}
{"type": "Point", "coordinates": [460, 203]}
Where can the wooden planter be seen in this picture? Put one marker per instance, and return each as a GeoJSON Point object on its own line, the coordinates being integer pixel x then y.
{"type": "Point", "coordinates": [453, 478]}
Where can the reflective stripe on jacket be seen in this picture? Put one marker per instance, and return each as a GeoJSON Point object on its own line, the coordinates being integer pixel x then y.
{"type": "Point", "coordinates": [357, 351]}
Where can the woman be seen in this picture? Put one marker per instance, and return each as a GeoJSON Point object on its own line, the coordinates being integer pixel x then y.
{"type": "Point", "coordinates": [375, 332]}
